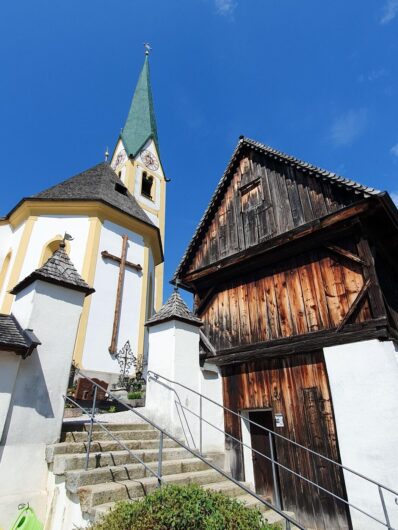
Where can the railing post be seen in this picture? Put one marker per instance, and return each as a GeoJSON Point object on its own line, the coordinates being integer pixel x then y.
{"type": "Point", "coordinates": [274, 472]}
{"type": "Point", "coordinates": [90, 434]}
{"type": "Point", "coordinates": [200, 425]}
{"type": "Point", "coordinates": [383, 503]}
{"type": "Point", "coordinates": [160, 459]}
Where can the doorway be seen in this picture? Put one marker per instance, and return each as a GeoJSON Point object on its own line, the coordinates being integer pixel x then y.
{"type": "Point", "coordinates": [258, 469]}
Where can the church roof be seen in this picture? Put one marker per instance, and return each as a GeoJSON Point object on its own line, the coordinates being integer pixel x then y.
{"type": "Point", "coordinates": [140, 125]}
{"type": "Point", "coordinates": [174, 309]}
{"type": "Point", "coordinates": [244, 142]}
{"type": "Point", "coordinates": [14, 338]}
{"type": "Point", "coordinates": [99, 183]}
{"type": "Point", "coordinates": [59, 270]}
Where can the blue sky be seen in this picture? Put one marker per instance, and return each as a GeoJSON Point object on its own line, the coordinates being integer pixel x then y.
{"type": "Point", "coordinates": [318, 80]}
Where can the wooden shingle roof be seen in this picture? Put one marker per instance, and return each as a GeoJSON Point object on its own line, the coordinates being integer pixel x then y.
{"type": "Point", "coordinates": [174, 309]}
{"type": "Point", "coordinates": [58, 270]}
{"type": "Point", "coordinates": [14, 338]}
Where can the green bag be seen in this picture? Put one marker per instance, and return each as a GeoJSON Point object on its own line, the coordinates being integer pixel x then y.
{"type": "Point", "coordinates": [26, 519]}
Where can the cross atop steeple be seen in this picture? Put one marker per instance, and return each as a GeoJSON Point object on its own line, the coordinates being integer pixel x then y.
{"type": "Point", "coordinates": [148, 48]}
{"type": "Point", "coordinates": [141, 123]}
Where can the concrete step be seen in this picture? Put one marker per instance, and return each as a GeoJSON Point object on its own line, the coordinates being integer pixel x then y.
{"type": "Point", "coordinates": [135, 434]}
{"type": "Point", "coordinates": [79, 426]}
{"type": "Point", "coordinates": [79, 477]}
{"type": "Point", "coordinates": [103, 446]}
{"type": "Point", "coordinates": [91, 496]}
{"type": "Point", "coordinates": [62, 463]}
{"type": "Point", "coordinates": [227, 487]}
{"type": "Point", "coordinates": [252, 502]}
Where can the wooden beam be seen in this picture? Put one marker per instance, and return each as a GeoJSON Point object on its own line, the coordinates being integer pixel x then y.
{"type": "Point", "coordinates": [107, 255]}
{"type": "Point", "coordinates": [297, 235]}
{"type": "Point", "coordinates": [376, 328]}
{"type": "Point", "coordinates": [369, 272]}
{"type": "Point", "coordinates": [205, 300]}
{"type": "Point", "coordinates": [119, 295]}
{"type": "Point", "coordinates": [345, 253]}
{"type": "Point", "coordinates": [207, 343]}
{"type": "Point", "coordinates": [355, 305]}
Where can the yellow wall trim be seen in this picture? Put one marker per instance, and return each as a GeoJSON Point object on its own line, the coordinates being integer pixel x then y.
{"type": "Point", "coordinates": [18, 263]}
{"type": "Point", "coordinates": [50, 247]}
{"type": "Point", "coordinates": [144, 301]}
{"type": "Point", "coordinates": [4, 269]}
{"type": "Point", "coordinates": [31, 208]}
{"type": "Point", "coordinates": [88, 274]}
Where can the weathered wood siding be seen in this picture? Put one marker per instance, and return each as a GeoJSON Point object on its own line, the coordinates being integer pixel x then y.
{"type": "Point", "coordinates": [265, 198]}
{"type": "Point", "coordinates": [297, 387]}
{"type": "Point", "coordinates": [310, 292]}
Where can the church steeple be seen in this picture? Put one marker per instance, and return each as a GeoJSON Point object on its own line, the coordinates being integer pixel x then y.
{"type": "Point", "coordinates": [140, 125]}
{"type": "Point", "coordinates": [137, 164]}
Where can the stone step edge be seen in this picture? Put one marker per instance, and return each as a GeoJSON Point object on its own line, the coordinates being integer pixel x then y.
{"type": "Point", "coordinates": [50, 448]}
{"type": "Point", "coordinates": [132, 466]}
{"type": "Point", "coordinates": [86, 493]}
{"type": "Point", "coordinates": [119, 433]}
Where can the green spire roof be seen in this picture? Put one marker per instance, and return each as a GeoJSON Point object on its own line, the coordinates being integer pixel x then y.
{"type": "Point", "coordinates": [141, 123]}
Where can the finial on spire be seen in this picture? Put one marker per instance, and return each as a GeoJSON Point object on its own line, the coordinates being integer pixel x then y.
{"type": "Point", "coordinates": [147, 47]}
{"type": "Point", "coordinates": [176, 285]}
{"type": "Point", "coordinates": [106, 154]}
{"type": "Point", "coordinates": [67, 237]}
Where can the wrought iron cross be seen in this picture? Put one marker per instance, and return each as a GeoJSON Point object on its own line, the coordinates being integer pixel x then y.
{"type": "Point", "coordinates": [126, 359]}
{"type": "Point", "coordinates": [123, 263]}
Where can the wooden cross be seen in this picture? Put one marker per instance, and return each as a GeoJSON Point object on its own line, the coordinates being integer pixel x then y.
{"type": "Point", "coordinates": [122, 261]}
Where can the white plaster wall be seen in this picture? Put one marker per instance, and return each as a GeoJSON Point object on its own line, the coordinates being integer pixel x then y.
{"type": "Point", "coordinates": [170, 355]}
{"type": "Point", "coordinates": [100, 323]}
{"type": "Point", "coordinates": [364, 385]}
{"type": "Point", "coordinates": [46, 228]}
{"type": "Point", "coordinates": [211, 386]}
{"type": "Point", "coordinates": [35, 415]}
{"type": "Point", "coordinates": [174, 353]}
{"type": "Point", "coordinates": [9, 363]}
{"type": "Point", "coordinates": [9, 240]}
{"type": "Point", "coordinates": [247, 452]}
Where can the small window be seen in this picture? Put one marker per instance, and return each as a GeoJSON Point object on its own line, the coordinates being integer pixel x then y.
{"type": "Point", "coordinates": [120, 188]}
{"type": "Point", "coordinates": [147, 185]}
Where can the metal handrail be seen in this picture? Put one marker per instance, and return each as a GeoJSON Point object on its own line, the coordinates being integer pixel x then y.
{"type": "Point", "coordinates": [274, 462]}
{"type": "Point", "coordinates": [163, 432]}
{"type": "Point", "coordinates": [94, 420]}
{"type": "Point", "coordinates": [387, 488]}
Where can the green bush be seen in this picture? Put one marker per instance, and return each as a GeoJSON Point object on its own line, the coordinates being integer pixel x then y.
{"type": "Point", "coordinates": [134, 395]}
{"type": "Point", "coordinates": [183, 508]}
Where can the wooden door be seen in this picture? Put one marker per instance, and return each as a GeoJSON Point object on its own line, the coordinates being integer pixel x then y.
{"type": "Point", "coordinates": [296, 387]}
{"type": "Point", "coordinates": [262, 467]}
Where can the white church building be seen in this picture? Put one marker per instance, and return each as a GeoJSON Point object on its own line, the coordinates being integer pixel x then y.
{"type": "Point", "coordinates": [114, 218]}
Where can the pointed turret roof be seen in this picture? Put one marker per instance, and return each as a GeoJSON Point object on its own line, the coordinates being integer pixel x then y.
{"type": "Point", "coordinates": [59, 270]}
{"type": "Point", "coordinates": [174, 309]}
{"type": "Point", "coordinates": [141, 123]}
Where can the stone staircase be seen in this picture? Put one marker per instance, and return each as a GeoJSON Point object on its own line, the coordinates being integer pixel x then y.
{"type": "Point", "coordinates": [114, 475]}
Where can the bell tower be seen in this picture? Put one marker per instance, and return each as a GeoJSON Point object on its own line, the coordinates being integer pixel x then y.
{"type": "Point", "coordinates": [136, 160]}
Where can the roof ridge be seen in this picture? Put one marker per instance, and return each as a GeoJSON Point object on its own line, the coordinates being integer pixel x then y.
{"type": "Point", "coordinates": [308, 166]}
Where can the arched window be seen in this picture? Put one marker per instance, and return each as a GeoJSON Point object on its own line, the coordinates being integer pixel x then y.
{"type": "Point", "coordinates": [50, 247]}
{"type": "Point", "coordinates": [4, 269]}
{"type": "Point", "coordinates": [147, 185]}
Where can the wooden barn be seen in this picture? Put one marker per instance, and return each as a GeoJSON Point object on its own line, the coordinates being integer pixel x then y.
{"type": "Point", "coordinates": [293, 271]}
